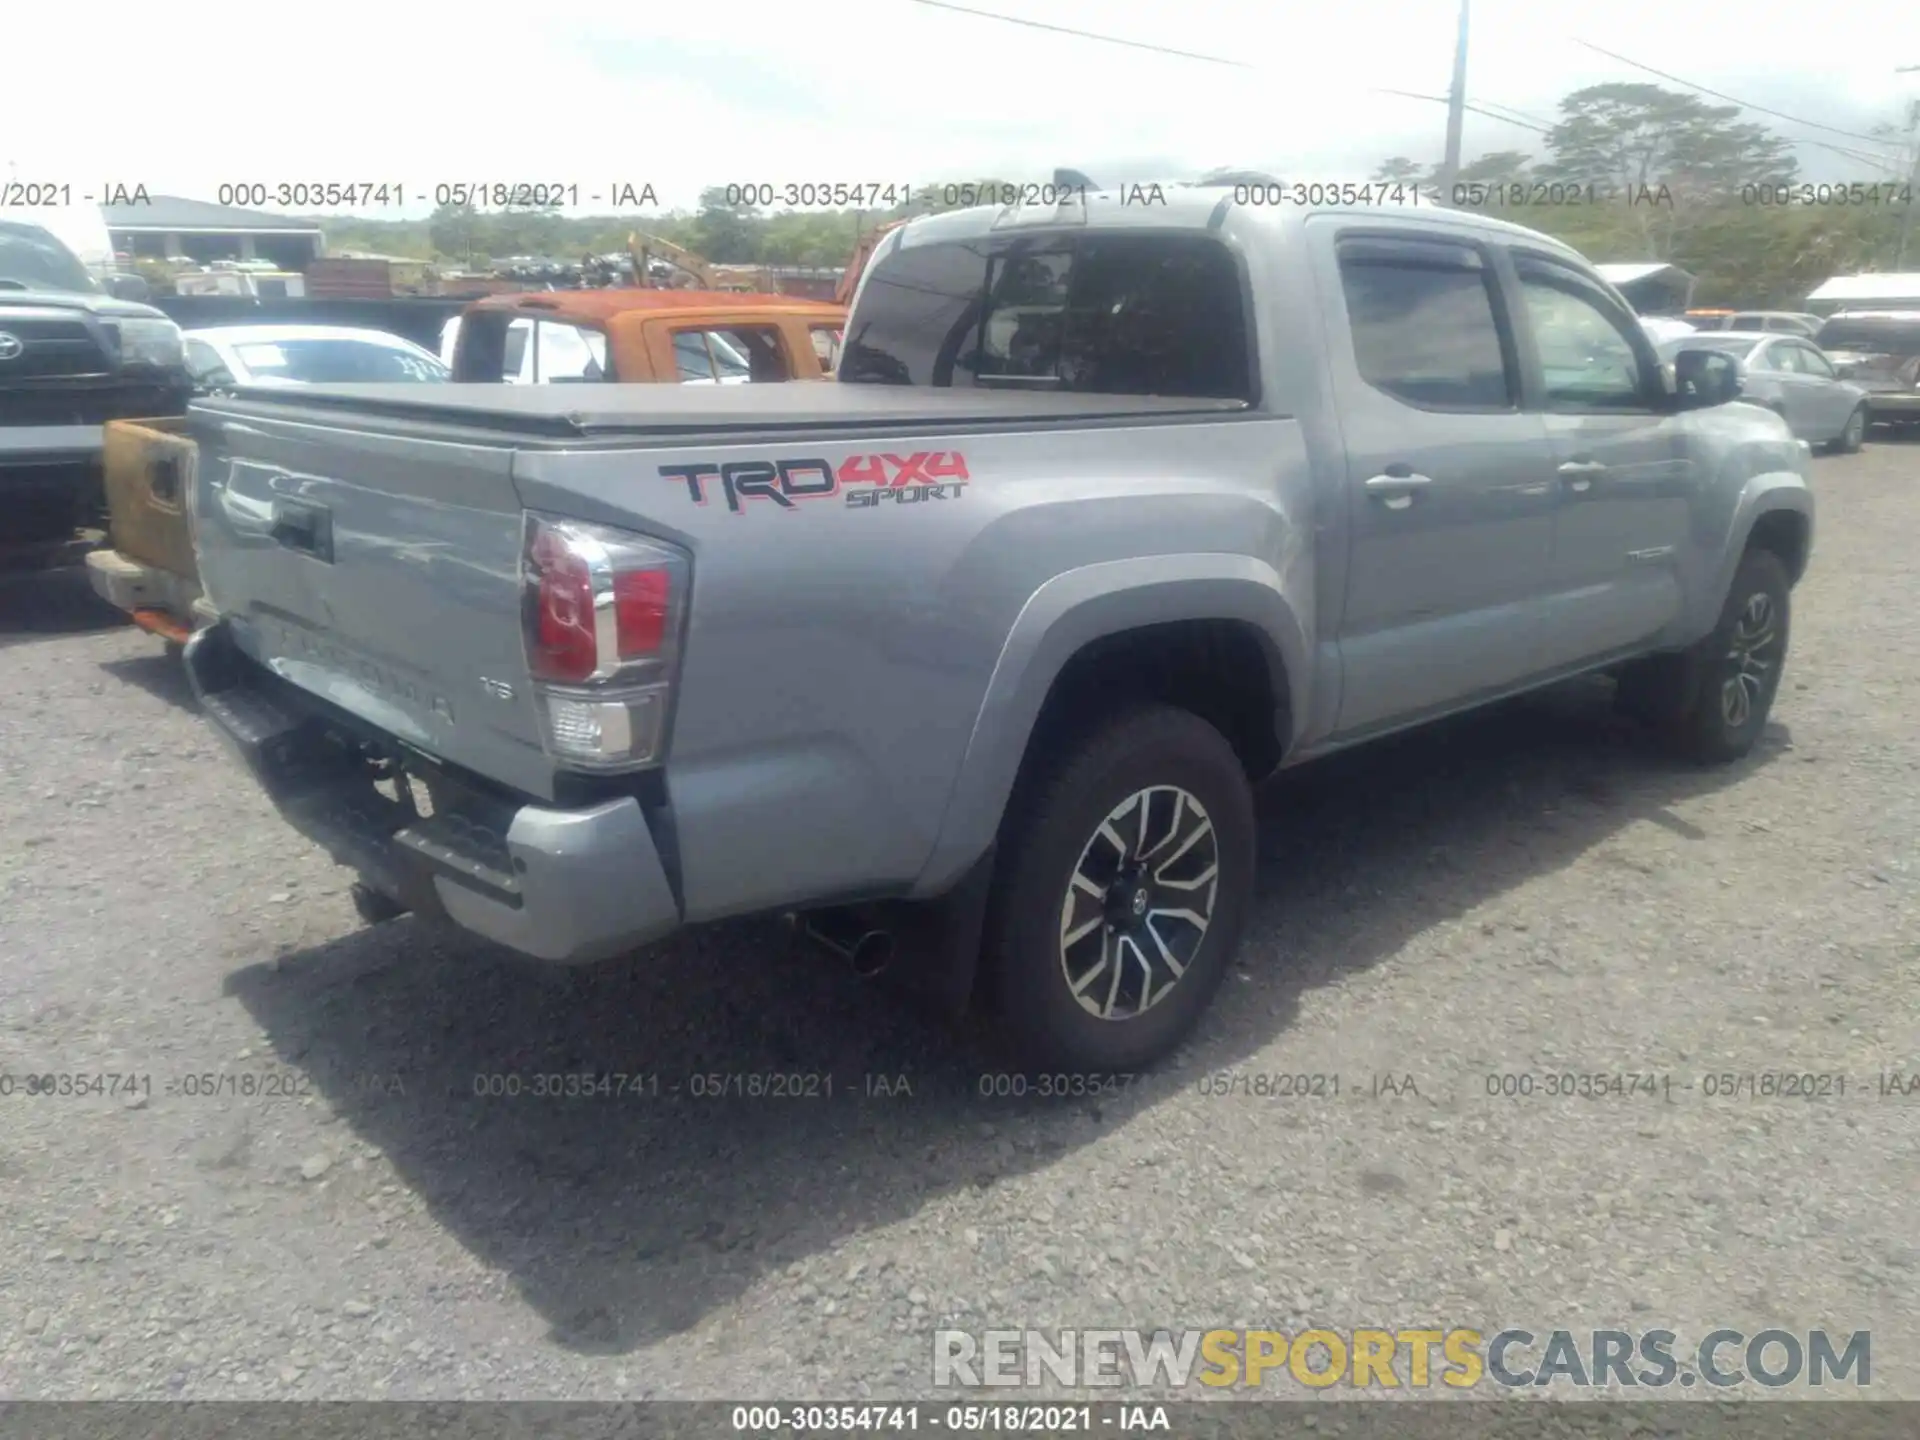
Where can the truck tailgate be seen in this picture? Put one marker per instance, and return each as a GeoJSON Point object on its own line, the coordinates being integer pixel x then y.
{"type": "Point", "coordinates": [380, 571]}
{"type": "Point", "coordinates": [146, 464]}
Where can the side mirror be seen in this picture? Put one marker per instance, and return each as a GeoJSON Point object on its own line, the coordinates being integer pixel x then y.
{"type": "Point", "coordinates": [129, 287]}
{"type": "Point", "coordinates": [1704, 378]}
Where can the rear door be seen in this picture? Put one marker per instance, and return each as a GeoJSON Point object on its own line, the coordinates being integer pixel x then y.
{"type": "Point", "coordinates": [1449, 481]}
{"type": "Point", "coordinates": [1624, 462]}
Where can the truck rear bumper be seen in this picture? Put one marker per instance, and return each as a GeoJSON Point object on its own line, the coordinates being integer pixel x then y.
{"type": "Point", "coordinates": [564, 885]}
{"type": "Point", "coordinates": [158, 600]}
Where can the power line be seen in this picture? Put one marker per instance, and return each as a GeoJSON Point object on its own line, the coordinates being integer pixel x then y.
{"type": "Point", "coordinates": [1524, 124]}
{"type": "Point", "coordinates": [1476, 109]}
{"type": "Point", "coordinates": [1525, 115]}
{"type": "Point", "coordinates": [1733, 100]}
{"type": "Point", "coordinates": [1085, 34]}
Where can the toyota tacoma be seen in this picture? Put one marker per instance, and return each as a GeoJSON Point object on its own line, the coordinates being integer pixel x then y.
{"type": "Point", "coordinates": [1113, 512]}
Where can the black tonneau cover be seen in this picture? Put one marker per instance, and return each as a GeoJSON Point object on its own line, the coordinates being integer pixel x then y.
{"type": "Point", "coordinates": [680, 411]}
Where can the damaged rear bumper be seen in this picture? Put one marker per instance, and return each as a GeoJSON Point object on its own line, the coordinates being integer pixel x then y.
{"type": "Point", "coordinates": [566, 885]}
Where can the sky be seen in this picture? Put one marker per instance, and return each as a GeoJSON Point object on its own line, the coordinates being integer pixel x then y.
{"type": "Point", "coordinates": [877, 91]}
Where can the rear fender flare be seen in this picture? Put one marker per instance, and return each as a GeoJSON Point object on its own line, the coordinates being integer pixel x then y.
{"type": "Point", "coordinates": [1067, 613]}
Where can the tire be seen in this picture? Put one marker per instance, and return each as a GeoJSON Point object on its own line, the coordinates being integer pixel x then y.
{"type": "Point", "coordinates": [1689, 697]}
{"type": "Point", "coordinates": [1198, 816]}
{"type": "Point", "coordinates": [1855, 435]}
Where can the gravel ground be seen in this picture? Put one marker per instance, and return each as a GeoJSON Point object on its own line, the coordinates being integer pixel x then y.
{"type": "Point", "coordinates": [1529, 890]}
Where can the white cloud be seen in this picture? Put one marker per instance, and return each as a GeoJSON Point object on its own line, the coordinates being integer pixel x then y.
{"type": "Point", "coordinates": [868, 90]}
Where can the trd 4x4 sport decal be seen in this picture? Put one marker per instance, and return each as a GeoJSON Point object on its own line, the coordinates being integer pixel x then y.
{"type": "Point", "coordinates": [866, 480]}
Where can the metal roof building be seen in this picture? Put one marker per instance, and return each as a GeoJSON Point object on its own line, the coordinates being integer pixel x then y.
{"type": "Point", "coordinates": [1891, 291]}
{"type": "Point", "coordinates": [170, 225]}
{"type": "Point", "coordinates": [1651, 288]}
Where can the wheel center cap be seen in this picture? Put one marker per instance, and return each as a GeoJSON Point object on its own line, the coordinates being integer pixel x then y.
{"type": "Point", "coordinates": [1140, 901]}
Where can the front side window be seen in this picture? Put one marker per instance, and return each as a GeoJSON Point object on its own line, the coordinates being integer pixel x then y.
{"type": "Point", "coordinates": [1093, 314]}
{"type": "Point", "coordinates": [1586, 359]}
{"type": "Point", "coordinates": [1423, 325]}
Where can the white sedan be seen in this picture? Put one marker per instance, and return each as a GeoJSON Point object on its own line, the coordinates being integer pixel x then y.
{"type": "Point", "coordinates": [1663, 328]}
{"type": "Point", "coordinates": [306, 355]}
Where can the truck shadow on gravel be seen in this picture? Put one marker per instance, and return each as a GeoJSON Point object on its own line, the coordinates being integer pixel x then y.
{"type": "Point", "coordinates": [161, 674]}
{"type": "Point", "coordinates": [43, 604]}
{"type": "Point", "coordinates": [626, 1219]}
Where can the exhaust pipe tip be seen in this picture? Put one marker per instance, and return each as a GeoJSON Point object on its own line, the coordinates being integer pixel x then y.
{"type": "Point", "coordinates": [872, 954]}
{"type": "Point", "coordinates": [867, 952]}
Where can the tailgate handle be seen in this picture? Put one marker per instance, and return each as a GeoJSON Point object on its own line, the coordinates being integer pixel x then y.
{"type": "Point", "coordinates": [306, 528]}
{"type": "Point", "coordinates": [166, 479]}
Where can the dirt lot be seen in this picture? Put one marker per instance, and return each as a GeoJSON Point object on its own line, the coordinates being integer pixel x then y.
{"type": "Point", "coordinates": [1527, 891]}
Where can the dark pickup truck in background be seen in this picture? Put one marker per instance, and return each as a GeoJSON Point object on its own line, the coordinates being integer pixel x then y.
{"type": "Point", "coordinates": [72, 357]}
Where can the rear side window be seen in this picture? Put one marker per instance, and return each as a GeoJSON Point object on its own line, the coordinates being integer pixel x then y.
{"type": "Point", "coordinates": [737, 355]}
{"type": "Point", "coordinates": [1424, 326]}
{"type": "Point", "coordinates": [1094, 314]}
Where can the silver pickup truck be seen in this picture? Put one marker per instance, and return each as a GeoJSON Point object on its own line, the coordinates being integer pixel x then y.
{"type": "Point", "coordinates": [1114, 511]}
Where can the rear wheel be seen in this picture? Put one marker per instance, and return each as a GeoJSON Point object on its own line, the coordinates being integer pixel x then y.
{"type": "Point", "coordinates": [1124, 878]}
{"type": "Point", "coordinates": [1712, 701]}
{"type": "Point", "coordinates": [1855, 435]}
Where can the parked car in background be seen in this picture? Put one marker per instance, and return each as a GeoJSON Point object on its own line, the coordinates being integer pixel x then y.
{"type": "Point", "coordinates": [225, 355]}
{"type": "Point", "coordinates": [147, 567]}
{"type": "Point", "coordinates": [1789, 375]}
{"type": "Point", "coordinates": [690, 337]}
{"type": "Point", "coordinates": [1664, 327]}
{"type": "Point", "coordinates": [1757, 322]}
{"type": "Point", "coordinates": [1880, 351]}
{"type": "Point", "coordinates": [77, 349]}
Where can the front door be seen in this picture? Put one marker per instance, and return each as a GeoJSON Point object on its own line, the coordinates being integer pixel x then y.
{"type": "Point", "coordinates": [1449, 481]}
{"type": "Point", "coordinates": [1624, 467]}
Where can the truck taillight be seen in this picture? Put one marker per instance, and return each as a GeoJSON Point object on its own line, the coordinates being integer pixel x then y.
{"type": "Point", "coordinates": [603, 610]}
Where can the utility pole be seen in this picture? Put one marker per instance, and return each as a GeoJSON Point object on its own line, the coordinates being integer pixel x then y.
{"type": "Point", "coordinates": [1456, 111]}
{"type": "Point", "coordinates": [1913, 172]}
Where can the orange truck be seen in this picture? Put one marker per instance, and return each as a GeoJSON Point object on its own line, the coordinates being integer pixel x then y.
{"type": "Point", "coordinates": [644, 336]}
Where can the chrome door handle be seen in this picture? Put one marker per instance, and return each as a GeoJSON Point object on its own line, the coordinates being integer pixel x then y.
{"type": "Point", "coordinates": [1579, 474]}
{"type": "Point", "coordinates": [1396, 492]}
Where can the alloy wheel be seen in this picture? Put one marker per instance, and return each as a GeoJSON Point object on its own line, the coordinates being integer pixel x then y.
{"type": "Point", "coordinates": [1139, 902]}
{"type": "Point", "coordinates": [1753, 660]}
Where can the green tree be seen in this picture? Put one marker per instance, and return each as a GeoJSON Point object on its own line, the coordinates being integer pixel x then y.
{"type": "Point", "coordinates": [1661, 160]}
{"type": "Point", "coordinates": [454, 231]}
{"type": "Point", "coordinates": [727, 234]}
{"type": "Point", "coordinates": [1399, 170]}
{"type": "Point", "coordinates": [1497, 167]}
